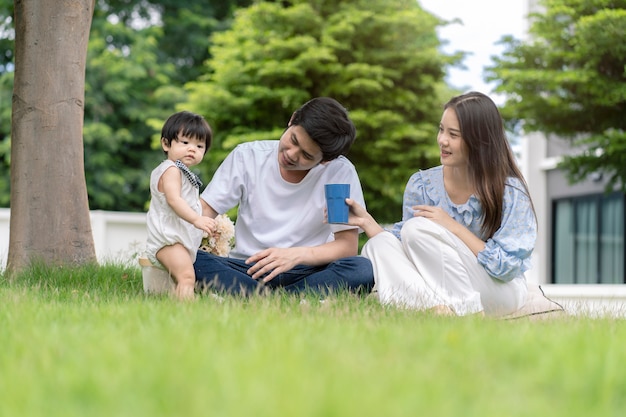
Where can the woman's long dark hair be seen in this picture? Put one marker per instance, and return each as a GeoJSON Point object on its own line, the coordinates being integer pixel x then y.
{"type": "Point", "coordinates": [490, 158]}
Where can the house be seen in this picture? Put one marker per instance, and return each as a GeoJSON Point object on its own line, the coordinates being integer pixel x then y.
{"type": "Point", "coordinates": [580, 251]}
{"type": "Point", "coordinates": [579, 255]}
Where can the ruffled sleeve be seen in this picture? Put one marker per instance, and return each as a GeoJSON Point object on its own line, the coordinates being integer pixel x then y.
{"type": "Point", "coordinates": [507, 253]}
{"type": "Point", "coordinates": [423, 188]}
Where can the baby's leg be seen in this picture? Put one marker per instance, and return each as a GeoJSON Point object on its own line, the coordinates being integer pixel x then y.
{"type": "Point", "coordinates": [175, 258]}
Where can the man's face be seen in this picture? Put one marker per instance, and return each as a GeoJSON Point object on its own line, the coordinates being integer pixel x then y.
{"type": "Point", "coordinates": [297, 151]}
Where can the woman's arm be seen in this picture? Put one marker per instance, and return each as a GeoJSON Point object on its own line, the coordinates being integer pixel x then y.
{"type": "Point", "coordinates": [507, 253]}
{"type": "Point", "coordinates": [361, 218]}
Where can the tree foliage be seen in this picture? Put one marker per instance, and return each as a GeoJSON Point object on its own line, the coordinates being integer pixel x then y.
{"type": "Point", "coordinates": [379, 58]}
{"type": "Point", "coordinates": [186, 27]}
{"type": "Point", "coordinates": [569, 80]}
{"type": "Point", "coordinates": [140, 54]}
{"type": "Point", "coordinates": [7, 40]}
{"type": "Point", "coordinates": [122, 95]}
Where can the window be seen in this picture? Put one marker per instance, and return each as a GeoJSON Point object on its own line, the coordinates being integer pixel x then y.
{"type": "Point", "coordinates": [588, 240]}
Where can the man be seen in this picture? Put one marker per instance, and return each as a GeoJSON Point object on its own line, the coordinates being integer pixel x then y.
{"type": "Point", "coordinates": [281, 237]}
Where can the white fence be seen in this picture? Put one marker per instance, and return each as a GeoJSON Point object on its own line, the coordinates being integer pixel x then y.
{"type": "Point", "coordinates": [118, 236]}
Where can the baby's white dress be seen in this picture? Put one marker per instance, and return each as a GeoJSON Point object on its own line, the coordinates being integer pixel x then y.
{"type": "Point", "coordinates": [165, 227]}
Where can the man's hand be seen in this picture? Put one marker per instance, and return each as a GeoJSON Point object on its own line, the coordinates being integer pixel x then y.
{"type": "Point", "coordinates": [274, 261]}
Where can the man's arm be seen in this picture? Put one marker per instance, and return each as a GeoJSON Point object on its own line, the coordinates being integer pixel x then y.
{"type": "Point", "coordinates": [207, 210]}
{"type": "Point", "coordinates": [346, 244]}
{"type": "Point", "coordinates": [274, 261]}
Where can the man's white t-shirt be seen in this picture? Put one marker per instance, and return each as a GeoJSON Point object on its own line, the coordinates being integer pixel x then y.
{"type": "Point", "coordinates": [273, 212]}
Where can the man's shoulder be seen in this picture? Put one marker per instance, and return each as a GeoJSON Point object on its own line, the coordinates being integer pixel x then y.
{"type": "Point", "coordinates": [252, 153]}
{"type": "Point", "coordinates": [341, 162]}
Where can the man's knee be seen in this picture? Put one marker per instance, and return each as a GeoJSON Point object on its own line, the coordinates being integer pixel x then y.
{"type": "Point", "coordinates": [357, 270]}
{"type": "Point", "coordinates": [354, 263]}
{"type": "Point", "coordinates": [223, 274]}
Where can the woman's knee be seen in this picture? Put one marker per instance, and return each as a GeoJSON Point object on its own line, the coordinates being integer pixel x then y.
{"type": "Point", "coordinates": [416, 228]}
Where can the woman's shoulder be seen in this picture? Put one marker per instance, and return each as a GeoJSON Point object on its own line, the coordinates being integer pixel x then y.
{"type": "Point", "coordinates": [434, 172]}
{"type": "Point", "coordinates": [516, 185]}
{"type": "Point", "coordinates": [432, 175]}
{"type": "Point", "coordinates": [426, 185]}
{"type": "Point", "coordinates": [515, 182]}
{"type": "Point", "coordinates": [516, 193]}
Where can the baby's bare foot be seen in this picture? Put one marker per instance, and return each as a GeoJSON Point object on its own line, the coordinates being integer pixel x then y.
{"type": "Point", "coordinates": [185, 293]}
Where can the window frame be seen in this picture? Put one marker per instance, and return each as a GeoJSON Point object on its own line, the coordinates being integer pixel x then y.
{"type": "Point", "coordinates": [599, 202]}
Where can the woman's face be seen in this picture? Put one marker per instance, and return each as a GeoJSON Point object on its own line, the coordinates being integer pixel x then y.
{"type": "Point", "coordinates": [452, 147]}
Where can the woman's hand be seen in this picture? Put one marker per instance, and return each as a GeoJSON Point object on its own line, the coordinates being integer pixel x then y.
{"type": "Point", "coordinates": [438, 215]}
{"type": "Point", "coordinates": [360, 217]}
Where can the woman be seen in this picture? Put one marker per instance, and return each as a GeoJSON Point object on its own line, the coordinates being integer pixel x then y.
{"type": "Point", "coordinates": [468, 226]}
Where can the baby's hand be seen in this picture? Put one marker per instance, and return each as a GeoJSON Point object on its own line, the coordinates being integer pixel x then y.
{"type": "Point", "coordinates": [206, 224]}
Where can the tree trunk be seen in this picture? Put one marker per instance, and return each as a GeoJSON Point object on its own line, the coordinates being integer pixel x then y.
{"type": "Point", "coordinates": [49, 206]}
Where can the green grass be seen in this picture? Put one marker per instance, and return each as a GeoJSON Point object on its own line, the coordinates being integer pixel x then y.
{"type": "Point", "coordinates": [88, 342]}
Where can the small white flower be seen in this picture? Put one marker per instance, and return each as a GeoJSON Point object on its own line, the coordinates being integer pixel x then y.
{"type": "Point", "coordinates": [222, 240]}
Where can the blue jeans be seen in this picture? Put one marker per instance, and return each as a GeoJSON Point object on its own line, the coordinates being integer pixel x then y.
{"type": "Point", "coordinates": [229, 275]}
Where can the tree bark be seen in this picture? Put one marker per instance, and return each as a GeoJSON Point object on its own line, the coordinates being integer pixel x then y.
{"type": "Point", "coordinates": [50, 220]}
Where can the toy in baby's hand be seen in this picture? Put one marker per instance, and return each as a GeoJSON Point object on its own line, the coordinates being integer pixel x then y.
{"type": "Point", "coordinates": [222, 240]}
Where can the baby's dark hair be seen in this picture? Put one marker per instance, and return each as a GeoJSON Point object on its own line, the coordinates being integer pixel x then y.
{"type": "Point", "coordinates": [186, 123]}
{"type": "Point", "coordinates": [327, 122]}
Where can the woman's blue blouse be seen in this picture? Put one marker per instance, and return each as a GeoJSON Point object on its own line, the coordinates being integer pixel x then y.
{"type": "Point", "coordinates": [507, 252]}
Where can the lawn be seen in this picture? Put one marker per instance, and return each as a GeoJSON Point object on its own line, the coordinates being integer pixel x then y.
{"type": "Point", "coordinates": [88, 342]}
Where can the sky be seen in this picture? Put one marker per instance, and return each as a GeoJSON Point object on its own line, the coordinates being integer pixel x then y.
{"type": "Point", "coordinates": [484, 23]}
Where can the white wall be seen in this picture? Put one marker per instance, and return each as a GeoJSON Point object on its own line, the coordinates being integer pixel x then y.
{"type": "Point", "coordinates": [118, 236]}
{"type": "Point", "coordinates": [4, 236]}
{"type": "Point", "coordinates": [533, 166]}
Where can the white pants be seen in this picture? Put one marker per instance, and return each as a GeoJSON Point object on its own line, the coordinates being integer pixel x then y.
{"type": "Point", "coordinates": [432, 267]}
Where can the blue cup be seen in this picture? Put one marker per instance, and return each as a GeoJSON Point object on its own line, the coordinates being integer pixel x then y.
{"type": "Point", "coordinates": [336, 207]}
